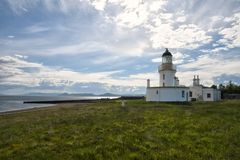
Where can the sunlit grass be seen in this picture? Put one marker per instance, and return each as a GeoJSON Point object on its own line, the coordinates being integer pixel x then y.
{"type": "Point", "coordinates": [141, 130]}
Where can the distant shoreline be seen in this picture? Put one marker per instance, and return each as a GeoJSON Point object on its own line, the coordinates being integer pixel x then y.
{"type": "Point", "coordinates": [12, 104]}
{"type": "Point", "coordinates": [22, 110]}
{"type": "Point", "coordinates": [66, 101]}
{"type": "Point", "coordinates": [58, 102]}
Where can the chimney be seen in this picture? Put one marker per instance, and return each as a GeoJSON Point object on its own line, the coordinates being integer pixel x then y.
{"type": "Point", "coordinates": [198, 80]}
{"type": "Point", "coordinates": [177, 82]}
{"type": "Point", "coordinates": [148, 82]}
{"type": "Point", "coordinates": [194, 81]}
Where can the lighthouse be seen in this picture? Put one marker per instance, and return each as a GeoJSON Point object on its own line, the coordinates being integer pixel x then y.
{"type": "Point", "coordinates": [167, 71]}
{"type": "Point", "coordinates": [169, 89]}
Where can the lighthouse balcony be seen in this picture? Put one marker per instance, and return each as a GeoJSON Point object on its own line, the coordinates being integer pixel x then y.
{"type": "Point", "coordinates": [168, 66]}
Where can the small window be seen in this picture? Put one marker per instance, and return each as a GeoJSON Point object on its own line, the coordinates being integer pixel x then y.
{"type": "Point", "coordinates": [190, 94]}
{"type": "Point", "coordinates": [163, 77]}
{"type": "Point", "coordinates": [183, 94]}
{"type": "Point", "coordinates": [157, 92]}
{"type": "Point", "coordinates": [209, 95]}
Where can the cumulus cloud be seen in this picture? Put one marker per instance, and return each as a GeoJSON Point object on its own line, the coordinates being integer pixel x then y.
{"type": "Point", "coordinates": [99, 4]}
{"type": "Point", "coordinates": [155, 23]}
{"type": "Point", "coordinates": [150, 23]}
{"type": "Point", "coordinates": [162, 26]}
{"type": "Point", "coordinates": [185, 36]}
{"type": "Point", "coordinates": [109, 33]}
{"type": "Point", "coordinates": [20, 71]}
{"type": "Point", "coordinates": [231, 35]}
{"type": "Point", "coordinates": [209, 67]}
{"type": "Point", "coordinates": [17, 71]}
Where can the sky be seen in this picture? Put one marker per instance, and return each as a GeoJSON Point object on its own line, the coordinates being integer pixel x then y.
{"type": "Point", "coordinates": [100, 46]}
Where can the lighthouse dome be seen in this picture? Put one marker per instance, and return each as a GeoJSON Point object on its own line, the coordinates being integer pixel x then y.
{"type": "Point", "coordinates": [167, 53]}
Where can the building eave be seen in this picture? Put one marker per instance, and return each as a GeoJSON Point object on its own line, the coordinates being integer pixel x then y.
{"type": "Point", "coordinates": [169, 87]}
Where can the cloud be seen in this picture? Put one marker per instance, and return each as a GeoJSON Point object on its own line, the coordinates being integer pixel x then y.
{"type": "Point", "coordinates": [209, 67]}
{"type": "Point", "coordinates": [21, 56]}
{"type": "Point", "coordinates": [215, 50]}
{"type": "Point", "coordinates": [164, 30]}
{"type": "Point", "coordinates": [11, 36]}
{"type": "Point", "coordinates": [185, 36]}
{"type": "Point", "coordinates": [178, 58]}
{"type": "Point", "coordinates": [77, 48]}
{"type": "Point", "coordinates": [65, 6]}
{"type": "Point", "coordinates": [150, 23]}
{"type": "Point", "coordinates": [21, 6]}
{"type": "Point", "coordinates": [17, 71]}
{"type": "Point", "coordinates": [20, 71]}
{"type": "Point", "coordinates": [115, 35]}
{"type": "Point", "coordinates": [231, 35]}
{"type": "Point", "coordinates": [99, 4]}
{"type": "Point", "coordinates": [36, 28]}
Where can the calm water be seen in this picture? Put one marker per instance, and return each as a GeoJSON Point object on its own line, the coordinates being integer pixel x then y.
{"type": "Point", "coordinates": [11, 103]}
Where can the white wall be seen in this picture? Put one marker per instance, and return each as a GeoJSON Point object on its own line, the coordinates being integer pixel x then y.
{"type": "Point", "coordinates": [197, 92]}
{"type": "Point", "coordinates": [169, 78]}
{"type": "Point", "coordinates": [208, 91]}
{"type": "Point", "coordinates": [215, 94]}
{"type": "Point", "coordinates": [166, 94]}
{"type": "Point", "coordinates": [200, 93]}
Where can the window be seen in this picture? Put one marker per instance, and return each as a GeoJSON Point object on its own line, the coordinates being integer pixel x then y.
{"type": "Point", "coordinates": [163, 77]}
{"type": "Point", "coordinates": [164, 60]}
{"type": "Point", "coordinates": [157, 92]}
{"type": "Point", "coordinates": [190, 94]}
{"type": "Point", "coordinates": [209, 95]}
{"type": "Point", "coordinates": [183, 94]}
{"type": "Point", "coordinates": [169, 59]}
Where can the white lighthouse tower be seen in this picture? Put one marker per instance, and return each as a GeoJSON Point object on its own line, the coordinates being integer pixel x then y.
{"type": "Point", "coordinates": [169, 89]}
{"type": "Point", "coordinates": [167, 71]}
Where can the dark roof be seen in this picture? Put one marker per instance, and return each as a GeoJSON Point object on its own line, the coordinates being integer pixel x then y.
{"type": "Point", "coordinates": [169, 87]}
{"type": "Point", "coordinates": [166, 53]}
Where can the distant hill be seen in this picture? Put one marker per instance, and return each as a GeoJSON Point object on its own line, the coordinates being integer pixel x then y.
{"type": "Point", "coordinates": [133, 95]}
{"type": "Point", "coordinates": [78, 94]}
{"type": "Point", "coordinates": [108, 94]}
{"type": "Point", "coordinates": [88, 94]}
{"type": "Point", "coordinates": [41, 94]}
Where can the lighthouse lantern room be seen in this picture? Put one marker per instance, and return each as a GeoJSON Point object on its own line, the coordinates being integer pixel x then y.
{"type": "Point", "coordinates": [167, 71]}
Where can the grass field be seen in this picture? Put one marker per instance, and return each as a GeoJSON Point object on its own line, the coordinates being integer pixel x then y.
{"type": "Point", "coordinates": [140, 130]}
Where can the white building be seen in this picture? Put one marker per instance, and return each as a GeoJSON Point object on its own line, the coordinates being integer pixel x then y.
{"type": "Point", "coordinates": [169, 89]}
{"type": "Point", "coordinates": [198, 92]}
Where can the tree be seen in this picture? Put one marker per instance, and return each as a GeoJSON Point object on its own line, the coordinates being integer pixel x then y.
{"type": "Point", "coordinates": [221, 86]}
{"type": "Point", "coordinates": [214, 86]}
{"type": "Point", "coordinates": [230, 87]}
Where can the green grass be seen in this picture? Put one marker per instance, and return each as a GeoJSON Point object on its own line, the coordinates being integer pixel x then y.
{"type": "Point", "coordinates": [140, 130]}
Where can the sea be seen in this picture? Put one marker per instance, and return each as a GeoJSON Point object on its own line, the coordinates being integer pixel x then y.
{"type": "Point", "coordinates": [14, 103]}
